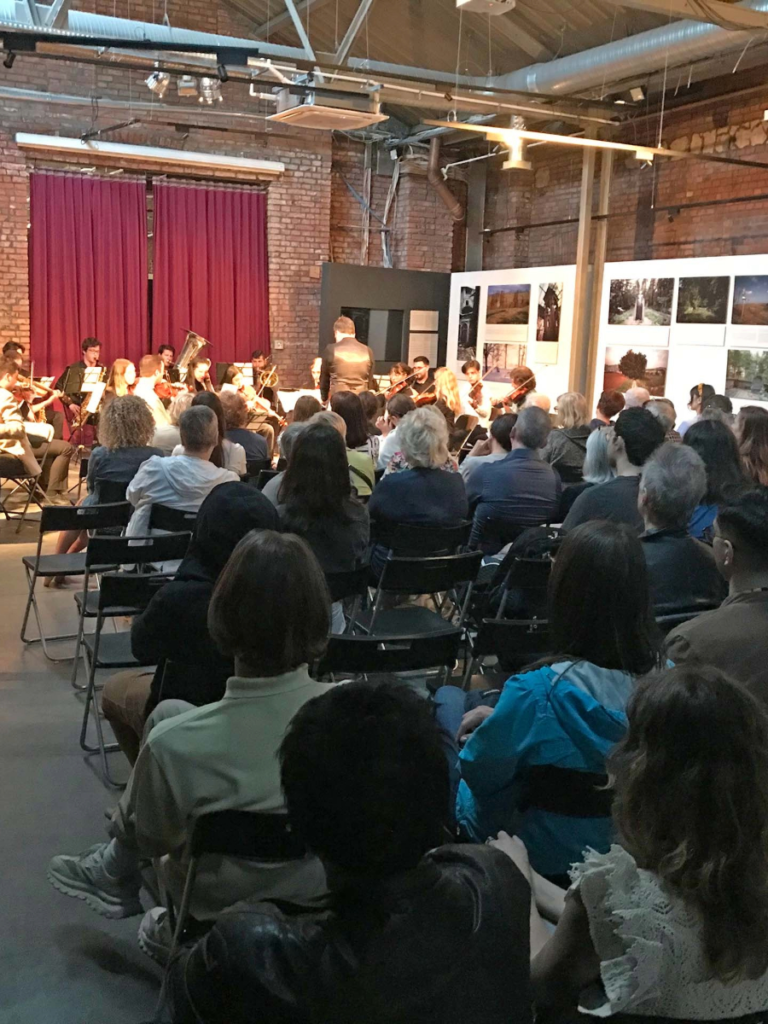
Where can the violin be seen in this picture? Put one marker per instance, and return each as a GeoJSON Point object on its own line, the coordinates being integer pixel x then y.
{"type": "Point", "coordinates": [475, 393]}
{"type": "Point", "coordinates": [425, 398]}
{"type": "Point", "coordinates": [164, 389]}
{"type": "Point", "coordinates": [514, 394]}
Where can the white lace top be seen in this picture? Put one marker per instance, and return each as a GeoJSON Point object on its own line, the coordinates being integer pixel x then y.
{"type": "Point", "coordinates": [649, 943]}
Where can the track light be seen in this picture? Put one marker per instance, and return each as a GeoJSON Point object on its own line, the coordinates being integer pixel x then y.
{"type": "Point", "coordinates": [9, 59]}
{"type": "Point", "coordinates": [158, 83]}
{"type": "Point", "coordinates": [210, 91]}
{"type": "Point", "coordinates": [637, 94]}
{"type": "Point", "coordinates": [187, 86]}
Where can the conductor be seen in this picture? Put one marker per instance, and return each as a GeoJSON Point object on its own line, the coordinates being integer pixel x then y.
{"type": "Point", "coordinates": [347, 364]}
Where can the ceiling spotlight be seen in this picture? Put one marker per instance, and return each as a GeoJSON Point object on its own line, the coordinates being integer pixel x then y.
{"type": "Point", "coordinates": [637, 94]}
{"type": "Point", "coordinates": [210, 91]}
{"type": "Point", "coordinates": [158, 83]}
{"type": "Point", "coordinates": [187, 86]}
{"type": "Point", "coordinates": [10, 57]}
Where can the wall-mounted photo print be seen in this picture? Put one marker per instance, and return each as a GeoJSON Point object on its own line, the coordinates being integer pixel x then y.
{"type": "Point", "coordinates": [747, 375]}
{"type": "Point", "coordinates": [469, 310]}
{"type": "Point", "coordinates": [627, 368]}
{"type": "Point", "coordinates": [501, 357]}
{"type": "Point", "coordinates": [508, 304]}
{"type": "Point", "coordinates": [641, 302]}
{"type": "Point", "coordinates": [703, 300]}
{"type": "Point", "coordinates": [549, 311]}
{"type": "Point", "coordinates": [750, 302]}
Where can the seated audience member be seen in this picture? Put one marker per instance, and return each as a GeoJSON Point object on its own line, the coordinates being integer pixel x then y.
{"type": "Point", "coordinates": [716, 444]}
{"type": "Point", "coordinates": [673, 923]}
{"type": "Point", "coordinates": [681, 571]}
{"type": "Point", "coordinates": [699, 394]}
{"type": "Point", "coordinates": [151, 371]}
{"type": "Point", "coordinates": [631, 442]}
{"type": "Point", "coordinates": [537, 401]}
{"type": "Point", "coordinates": [517, 491]}
{"type": "Point", "coordinates": [167, 437]}
{"type": "Point", "coordinates": [636, 398]}
{"type": "Point", "coordinates": [397, 408]}
{"type": "Point", "coordinates": [172, 633]}
{"type": "Point", "coordinates": [497, 446]}
{"type": "Point", "coordinates": [554, 724]}
{"type": "Point", "coordinates": [126, 429]}
{"type": "Point", "coordinates": [305, 408]}
{"type": "Point", "coordinates": [734, 638]}
{"type": "Point", "coordinates": [718, 407]}
{"type": "Point", "coordinates": [16, 456]}
{"type": "Point", "coordinates": [362, 447]}
{"type": "Point", "coordinates": [566, 446]}
{"type": "Point", "coordinates": [285, 443]}
{"type": "Point", "coordinates": [235, 418]}
{"type": "Point", "coordinates": [381, 949]}
{"type": "Point", "coordinates": [664, 411]}
{"type": "Point", "coordinates": [752, 434]}
{"type": "Point", "coordinates": [315, 501]}
{"type": "Point", "coordinates": [370, 405]}
{"type": "Point", "coordinates": [597, 470]}
{"type": "Point", "coordinates": [226, 454]}
{"type": "Point", "coordinates": [424, 493]}
{"type": "Point", "coordinates": [270, 613]}
{"type": "Point", "coordinates": [186, 479]}
{"type": "Point", "coordinates": [609, 406]}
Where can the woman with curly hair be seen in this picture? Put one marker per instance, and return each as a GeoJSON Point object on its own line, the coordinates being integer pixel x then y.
{"type": "Point", "coordinates": [673, 922]}
{"type": "Point", "coordinates": [126, 430]}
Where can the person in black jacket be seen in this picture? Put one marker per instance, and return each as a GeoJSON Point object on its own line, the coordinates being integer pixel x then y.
{"type": "Point", "coordinates": [413, 932]}
{"type": "Point", "coordinates": [348, 365]}
{"type": "Point", "coordinates": [173, 631]}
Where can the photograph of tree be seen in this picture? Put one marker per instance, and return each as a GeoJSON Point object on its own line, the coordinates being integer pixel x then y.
{"type": "Point", "coordinates": [508, 304]}
{"type": "Point", "coordinates": [645, 302]}
{"type": "Point", "coordinates": [703, 300]}
{"type": "Point", "coordinates": [548, 316]}
{"type": "Point", "coordinates": [747, 374]}
{"type": "Point", "coordinates": [469, 308]}
{"type": "Point", "coordinates": [626, 368]}
{"type": "Point", "coordinates": [750, 302]}
{"type": "Point", "coordinates": [500, 358]}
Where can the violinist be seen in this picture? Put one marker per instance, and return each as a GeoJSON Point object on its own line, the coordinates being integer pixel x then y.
{"type": "Point", "coordinates": [199, 376]}
{"type": "Point", "coordinates": [447, 398]}
{"type": "Point", "coordinates": [150, 375]}
{"type": "Point", "coordinates": [261, 418]}
{"type": "Point", "coordinates": [523, 383]}
{"type": "Point", "coordinates": [476, 401]}
{"type": "Point", "coordinates": [121, 380]}
{"type": "Point", "coordinates": [265, 380]}
{"type": "Point", "coordinates": [423, 378]}
{"type": "Point", "coordinates": [400, 377]}
{"type": "Point", "coordinates": [235, 381]}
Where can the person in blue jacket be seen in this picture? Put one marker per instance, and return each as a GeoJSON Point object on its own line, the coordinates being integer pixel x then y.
{"type": "Point", "coordinates": [534, 764]}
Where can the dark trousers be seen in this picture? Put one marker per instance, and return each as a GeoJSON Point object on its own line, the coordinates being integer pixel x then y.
{"type": "Point", "coordinates": [451, 703]}
{"type": "Point", "coordinates": [57, 455]}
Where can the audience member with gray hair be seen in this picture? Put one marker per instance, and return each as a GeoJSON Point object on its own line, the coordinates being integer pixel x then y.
{"type": "Point", "coordinates": [598, 469]}
{"type": "Point", "coordinates": [664, 411]}
{"type": "Point", "coordinates": [235, 419]}
{"type": "Point", "coordinates": [182, 481]}
{"type": "Point", "coordinates": [636, 398]}
{"type": "Point", "coordinates": [517, 491]}
{"type": "Point", "coordinates": [681, 570]}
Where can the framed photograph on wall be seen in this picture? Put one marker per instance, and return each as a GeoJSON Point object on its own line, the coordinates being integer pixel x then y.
{"type": "Point", "coordinates": [627, 368]}
{"type": "Point", "coordinates": [501, 357]}
{"type": "Point", "coordinates": [548, 315]}
{"type": "Point", "coordinates": [702, 310]}
{"type": "Point", "coordinates": [746, 377]}
{"type": "Point", "coordinates": [749, 313]}
{"type": "Point", "coordinates": [641, 302]}
{"type": "Point", "coordinates": [469, 312]}
{"type": "Point", "coordinates": [507, 313]}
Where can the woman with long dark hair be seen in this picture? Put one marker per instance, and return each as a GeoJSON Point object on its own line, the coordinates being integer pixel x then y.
{"type": "Point", "coordinates": [535, 762]}
{"type": "Point", "coordinates": [362, 447]}
{"type": "Point", "coordinates": [752, 435]}
{"type": "Point", "coordinates": [673, 923]}
{"type": "Point", "coordinates": [199, 376]}
{"type": "Point", "coordinates": [226, 454]}
{"type": "Point", "coordinates": [716, 444]}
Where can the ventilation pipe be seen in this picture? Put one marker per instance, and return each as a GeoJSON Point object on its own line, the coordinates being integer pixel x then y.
{"type": "Point", "coordinates": [682, 42]}
{"type": "Point", "coordinates": [435, 179]}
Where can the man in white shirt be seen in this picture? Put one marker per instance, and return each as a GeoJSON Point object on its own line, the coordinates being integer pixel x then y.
{"type": "Point", "coordinates": [182, 481]}
{"type": "Point", "coordinates": [16, 454]}
{"type": "Point", "coordinates": [475, 398]}
{"type": "Point", "coordinates": [397, 407]}
{"type": "Point", "coordinates": [151, 370]}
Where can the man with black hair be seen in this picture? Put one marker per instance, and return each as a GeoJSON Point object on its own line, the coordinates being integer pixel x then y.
{"type": "Point", "coordinates": [414, 932]}
{"type": "Point", "coordinates": [496, 446]}
{"type": "Point", "coordinates": [734, 638]}
{"type": "Point", "coordinates": [631, 442]}
{"type": "Point", "coordinates": [74, 373]}
{"type": "Point", "coordinates": [423, 377]}
{"type": "Point", "coordinates": [170, 371]}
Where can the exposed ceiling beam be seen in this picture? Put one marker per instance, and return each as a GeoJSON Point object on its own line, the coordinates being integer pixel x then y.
{"type": "Point", "coordinates": [301, 32]}
{"type": "Point", "coordinates": [714, 12]}
{"type": "Point", "coordinates": [352, 32]}
{"type": "Point", "coordinates": [33, 11]}
{"type": "Point", "coordinates": [57, 14]}
{"type": "Point", "coordinates": [281, 20]}
{"type": "Point", "coordinates": [511, 30]}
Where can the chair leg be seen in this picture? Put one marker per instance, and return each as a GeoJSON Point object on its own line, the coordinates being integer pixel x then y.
{"type": "Point", "coordinates": [41, 639]}
{"type": "Point", "coordinates": [92, 705]}
{"type": "Point", "coordinates": [471, 661]}
{"type": "Point", "coordinates": [79, 640]}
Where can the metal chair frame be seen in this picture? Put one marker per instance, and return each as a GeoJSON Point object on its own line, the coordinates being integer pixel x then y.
{"type": "Point", "coordinates": [371, 655]}
{"type": "Point", "coordinates": [31, 485]}
{"type": "Point", "coordinates": [486, 641]}
{"type": "Point", "coordinates": [351, 584]}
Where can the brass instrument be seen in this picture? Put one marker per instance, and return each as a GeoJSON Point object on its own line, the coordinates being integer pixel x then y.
{"type": "Point", "coordinates": [193, 344]}
{"type": "Point", "coordinates": [268, 379]}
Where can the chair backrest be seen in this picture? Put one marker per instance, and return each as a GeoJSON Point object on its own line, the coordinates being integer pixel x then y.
{"type": "Point", "coordinates": [429, 575]}
{"type": "Point", "coordinates": [253, 467]}
{"type": "Point", "coordinates": [371, 654]}
{"type": "Point", "coordinates": [525, 586]}
{"type": "Point", "coordinates": [378, 474]}
{"type": "Point", "coordinates": [83, 473]}
{"type": "Point", "coordinates": [174, 520]}
{"type": "Point", "coordinates": [420, 541]}
{"type": "Point", "coordinates": [348, 584]}
{"type": "Point", "coordinates": [668, 622]}
{"type": "Point", "coordinates": [111, 491]}
{"type": "Point", "coordinates": [250, 835]}
{"type": "Point", "coordinates": [516, 643]}
{"type": "Point", "coordinates": [264, 477]}
{"type": "Point", "coordinates": [85, 517]}
{"type": "Point", "coordinates": [490, 534]}
{"type": "Point", "coordinates": [128, 593]}
{"type": "Point", "coordinates": [107, 551]}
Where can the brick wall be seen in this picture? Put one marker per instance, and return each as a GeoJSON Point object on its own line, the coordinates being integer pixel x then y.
{"type": "Point", "coordinates": [637, 229]}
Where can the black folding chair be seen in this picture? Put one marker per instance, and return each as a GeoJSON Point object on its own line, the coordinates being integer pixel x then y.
{"type": "Point", "coordinates": [55, 519]}
{"type": "Point", "coordinates": [527, 580]}
{"type": "Point", "coordinates": [516, 643]}
{"type": "Point", "coordinates": [264, 477]}
{"type": "Point", "coordinates": [437, 575]}
{"type": "Point", "coordinates": [669, 621]}
{"type": "Point", "coordinates": [173, 520]}
{"type": "Point", "coordinates": [121, 593]}
{"type": "Point", "coordinates": [490, 534]}
{"type": "Point", "coordinates": [253, 467]}
{"type": "Point", "coordinates": [111, 491]}
{"type": "Point", "coordinates": [29, 483]}
{"type": "Point", "coordinates": [349, 586]}
{"type": "Point", "coordinates": [372, 655]}
{"type": "Point", "coordinates": [107, 553]}
{"type": "Point", "coordinates": [419, 541]}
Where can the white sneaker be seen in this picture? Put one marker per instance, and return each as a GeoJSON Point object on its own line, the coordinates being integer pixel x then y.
{"type": "Point", "coordinates": [156, 935]}
{"type": "Point", "coordinates": [84, 878]}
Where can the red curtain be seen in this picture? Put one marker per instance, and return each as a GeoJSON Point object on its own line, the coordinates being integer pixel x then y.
{"type": "Point", "coordinates": [88, 268]}
{"type": "Point", "coordinates": [211, 272]}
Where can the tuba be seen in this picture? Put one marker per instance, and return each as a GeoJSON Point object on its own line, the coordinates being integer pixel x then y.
{"type": "Point", "coordinates": [192, 346]}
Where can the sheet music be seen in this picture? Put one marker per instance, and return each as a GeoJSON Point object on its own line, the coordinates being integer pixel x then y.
{"type": "Point", "coordinates": [97, 393]}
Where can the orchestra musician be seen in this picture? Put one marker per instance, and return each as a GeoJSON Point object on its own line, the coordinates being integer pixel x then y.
{"type": "Point", "coordinates": [314, 371]}
{"type": "Point", "coordinates": [423, 377]}
{"type": "Point", "coordinates": [400, 374]}
{"type": "Point", "coordinates": [171, 373]}
{"type": "Point", "coordinates": [476, 401]}
{"type": "Point", "coordinates": [150, 375]}
{"type": "Point", "coordinates": [121, 380]}
{"type": "Point", "coordinates": [523, 383]}
{"type": "Point", "coordinates": [348, 365]}
{"type": "Point", "coordinates": [199, 375]}
{"type": "Point", "coordinates": [266, 381]}
{"type": "Point", "coordinates": [74, 373]}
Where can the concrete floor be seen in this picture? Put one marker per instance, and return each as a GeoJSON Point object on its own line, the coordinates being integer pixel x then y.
{"type": "Point", "coordinates": [60, 963]}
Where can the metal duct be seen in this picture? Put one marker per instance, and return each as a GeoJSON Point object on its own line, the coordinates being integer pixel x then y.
{"type": "Point", "coordinates": [682, 42]}
{"type": "Point", "coordinates": [435, 179]}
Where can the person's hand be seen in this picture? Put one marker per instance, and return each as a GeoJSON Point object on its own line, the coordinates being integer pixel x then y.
{"type": "Point", "coordinates": [471, 721]}
{"type": "Point", "coordinates": [516, 851]}
{"type": "Point", "coordinates": [383, 424]}
{"type": "Point", "coordinates": [480, 449]}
